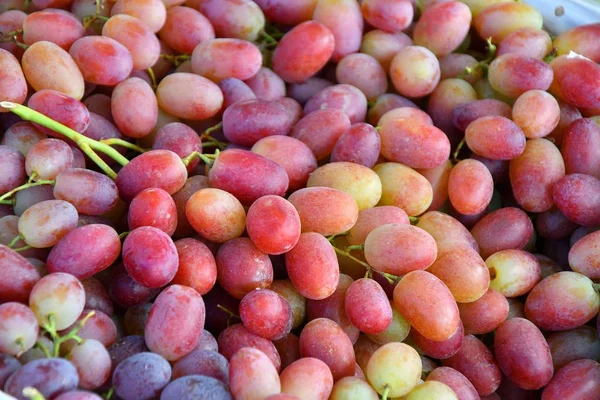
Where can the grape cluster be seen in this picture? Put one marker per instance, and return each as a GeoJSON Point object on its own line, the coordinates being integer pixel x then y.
{"type": "Point", "coordinates": [297, 200]}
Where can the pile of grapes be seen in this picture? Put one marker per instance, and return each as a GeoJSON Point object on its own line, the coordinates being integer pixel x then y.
{"type": "Point", "coordinates": [297, 200]}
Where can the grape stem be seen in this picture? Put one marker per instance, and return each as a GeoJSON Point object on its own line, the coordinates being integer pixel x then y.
{"type": "Point", "coordinates": [208, 159]}
{"type": "Point", "coordinates": [123, 143]}
{"type": "Point", "coordinates": [90, 19]}
{"type": "Point", "coordinates": [206, 136]}
{"type": "Point", "coordinates": [19, 249]}
{"type": "Point", "coordinates": [152, 76]}
{"type": "Point", "coordinates": [25, 186]}
{"type": "Point", "coordinates": [176, 60]}
{"type": "Point", "coordinates": [414, 220]}
{"type": "Point", "coordinates": [50, 327]}
{"type": "Point", "coordinates": [87, 145]}
{"type": "Point", "coordinates": [458, 149]}
{"type": "Point", "coordinates": [110, 393]}
{"type": "Point", "coordinates": [33, 394]}
{"type": "Point", "coordinates": [8, 202]}
{"type": "Point", "coordinates": [43, 348]}
{"type": "Point", "coordinates": [228, 312]}
{"type": "Point", "coordinates": [596, 287]}
{"type": "Point", "coordinates": [123, 235]}
{"type": "Point", "coordinates": [386, 392]}
{"type": "Point", "coordinates": [14, 241]}
{"type": "Point", "coordinates": [346, 253]}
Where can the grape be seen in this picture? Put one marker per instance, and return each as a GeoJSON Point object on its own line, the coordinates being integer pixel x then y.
{"type": "Point", "coordinates": [20, 276]}
{"type": "Point", "coordinates": [464, 114]}
{"type": "Point", "coordinates": [197, 267]}
{"type": "Point", "coordinates": [47, 158]}
{"type": "Point", "coordinates": [236, 337]}
{"type": "Point", "coordinates": [499, 20]}
{"type": "Point", "coordinates": [307, 378]}
{"type": "Point", "coordinates": [235, 90]}
{"type": "Point", "coordinates": [470, 187]}
{"type": "Point", "coordinates": [344, 19]}
{"type": "Point", "coordinates": [398, 249]}
{"type": "Point", "coordinates": [303, 91]}
{"type": "Point", "coordinates": [125, 347]}
{"type": "Point", "coordinates": [413, 144]}
{"type": "Point", "coordinates": [344, 97]}
{"type": "Point", "coordinates": [9, 230]}
{"type": "Point", "coordinates": [85, 251]}
{"type": "Point", "coordinates": [506, 228]}
{"type": "Point", "coordinates": [175, 322]}
{"type": "Point", "coordinates": [203, 362]}
{"type": "Point", "coordinates": [242, 267]}
{"type": "Point", "coordinates": [357, 180]}
{"type": "Point", "coordinates": [313, 267]}
{"type": "Point", "coordinates": [252, 375]}
{"type": "Point", "coordinates": [371, 218]}
{"type": "Point", "coordinates": [575, 196]}
{"type": "Point", "coordinates": [404, 187]}
{"type": "Point", "coordinates": [477, 364]}
{"type": "Point", "coordinates": [353, 388]}
{"type": "Point", "coordinates": [286, 289]}
{"type": "Point", "coordinates": [528, 41]}
{"type": "Point", "coordinates": [415, 71]}
{"type": "Point", "coordinates": [150, 256]}
{"type": "Point", "coordinates": [523, 354]}
{"type": "Point", "coordinates": [134, 107]}
{"type": "Point", "coordinates": [241, 19]}
{"type": "Point", "coordinates": [22, 136]}
{"type": "Point", "coordinates": [363, 72]}
{"type": "Point", "coordinates": [60, 295]}
{"type": "Point", "coordinates": [216, 215]}
{"type": "Point", "coordinates": [383, 46]}
{"type": "Point", "coordinates": [175, 98]}
{"type": "Point", "coordinates": [246, 122]}
{"type": "Point", "coordinates": [44, 224]}
{"type": "Point", "coordinates": [135, 318]}
{"type": "Point", "coordinates": [464, 273]}
{"type": "Point", "coordinates": [333, 308]}
{"type": "Point", "coordinates": [47, 66]}
{"type": "Point", "coordinates": [390, 16]}
{"type": "Point", "coordinates": [382, 374]}
{"type": "Point", "coordinates": [579, 39]}
{"type": "Point", "coordinates": [292, 154]}
{"type": "Point", "coordinates": [443, 27]}
{"type": "Point", "coordinates": [153, 207]}
{"type": "Point", "coordinates": [247, 176]}
{"type": "Point", "coordinates": [360, 144]}
{"type": "Point", "coordinates": [578, 379]}
{"type": "Point", "coordinates": [537, 113]}
{"type": "Point", "coordinates": [513, 272]}
{"type": "Point", "coordinates": [439, 349]}
{"type": "Point", "coordinates": [154, 169]}
{"type": "Point", "coordinates": [78, 395]}
{"type": "Point", "coordinates": [397, 330]}
{"type": "Point", "coordinates": [92, 362]}
{"type": "Point", "coordinates": [568, 114]}
{"type": "Point", "coordinates": [535, 173]}
{"type": "Point", "coordinates": [303, 51]}
{"type": "Point", "coordinates": [324, 339]}
{"type": "Point", "coordinates": [243, 59]}
{"type": "Point", "coordinates": [574, 344]}
{"type": "Point", "coordinates": [196, 386]}
{"type": "Point", "coordinates": [267, 85]}
{"type": "Point", "coordinates": [273, 224]}
{"type": "Point", "coordinates": [141, 376]}
{"type": "Point", "coordinates": [8, 365]}
{"type": "Point", "coordinates": [438, 177]}
{"type": "Point", "coordinates": [14, 168]}
{"type": "Point", "coordinates": [454, 65]}
{"type": "Point", "coordinates": [461, 386]}
{"type": "Point", "coordinates": [320, 130]}
{"type": "Point", "coordinates": [286, 13]}
{"type": "Point", "coordinates": [495, 137]}
{"type": "Point", "coordinates": [366, 294]}
{"type": "Point", "coordinates": [10, 21]}
{"type": "Point", "coordinates": [126, 292]}
{"type": "Point", "coordinates": [581, 134]}
{"type": "Point", "coordinates": [50, 376]}
{"type": "Point", "coordinates": [514, 74]}
{"type": "Point", "coordinates": [96, 296]}
{"type": "Point", "coordinates": [325, 210]}
{"type": "Point", "coordinates": [267, 314]}
{"type": "Point", "coordinates": [19, 328]}
{"type": "Point", "coordinates": [562, 301]}
{"type": "Point", "coordinates": [582, 256]}
{"type": "Point", "coordinates": [185, 28]}
{"type": "Point", "coordinates": [575, 81]}
{"type": "Point", "coordinates": [484, 314]}
{"type": "Point", "coordinates": [136, 36]}
{"type": "Point", "coordinates": [99, 194]}
{"type": "Point", "coordinates": [152, 12]}
{"type": "Point", "coordinates": [56, 26]}
{"type": "Point", "coordinates": [427, 304]}
{"type": "Point", "coordinates": [14, 86]}
{"type": "Point", "coordinates": [432, 390]}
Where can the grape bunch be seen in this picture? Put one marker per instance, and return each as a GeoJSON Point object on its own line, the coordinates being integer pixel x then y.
{"type": "Point", "coordinates": [298, 200]}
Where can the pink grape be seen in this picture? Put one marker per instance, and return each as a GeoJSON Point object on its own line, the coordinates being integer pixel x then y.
{"type": "Point", "coordinates": [575, 79]}
{"type": "Point", "coordinates": [363, 72]}
{"type": "Point", "coordinates": [513, 272]}
{"type": "Point", "coordinates": [344, 97]}
{"type": "Point", "coordinates": [470, 187]}
{"type": "Point", "coordinates": [578, 379]}
{"type": "Point", "coordinates": [320, 130]}
{"type": "Point", "coordinates": [500, 19]}
{"type": "Point", "coordinates": [307, 376]}
{"type": "Point", "coordinates": [495, 137]}
{"type": "Point", "coordinates": [383, 46]}
{"type": "Point", "coordinates": [22, 136]}
{"type": "Point", "coordinates": [344, 19]}
{"type": "Point", "coordinates": [371, 218]}
{"type": "Point", "coordinates": [574, 195]}
{"type": "Point", "coordinates": [241, 19]}
{"type": "Point", "coordinates": [514, 74]}
{"type": "Point", "coordinates": [199, 104]}
{"type": "Point", "coordinates": [456, 381]}
{"type": "Point", "coordinates": [533, 42]}
{"type": "Point", "coordinates": [44, 224]}
{"type": "Point", "coordinates": [267, 85]}
{"type": "Point", "coordinates": [60, 295]}
{"type": "Point", "coordinates": [515, 225]}
{"type": "Point", "coordinates": [443, 27]}
{"type": "Point", "coordinates": [197, 267]}
{"type": "Point", "coordinates": [415, 71]}
{"type": "Point", "coordinates": [252, 375]}
{"type": "Point", "coordinates": [14, 86]}
{"type": "Point", "coordinates": [152, 12]}
{"type": "Point", "coordinates": [101, 194]}
{"type": "Point", "coordinates": [267, 314]}
{"type": "Point", "coordinates": [359, 144]}
{"type": "Point", "coordinates": [273, 224]}
{"type": "Point", "coordinates": [484, 314]}
{"type": "Point", "coordinates": [136, 36]}
{"type": "Point", "coordinates": [202, 362]}
{"type": "Point", "coordinates": [243, 59]}
{"type": "Point", "coordinates": [134, 107]}
{"type": "Point", "coordinates": [236, 337]}
{"type": "Point", "coordinates": [21, 276]}
{"type": "Point", "coordinates": [89, 50]}
{"type": "Point", "coordinates": [19, 328]}
{"type": "Point", "coordinates": [366, 294]}
{"type": "Point", "coordinates": [390, 16]}
{"type": "Point", "coordinates": [464, 114]}
{"type": "Point", "coordinates": [153, 207]}
{"type": "Point", "coordinates": [14, 165]}
{"type": "Point", "coordinates": [574, 344]}
{"type": "Point", "coordinates": [439, 349]}
{"type": "Point", "coordinates": [92, 362]}
{"type": "Point", "coordinates": [581, 134]}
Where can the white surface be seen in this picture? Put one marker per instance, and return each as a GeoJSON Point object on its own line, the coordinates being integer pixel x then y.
{"type": "Point", "coordinates": [574, 13]}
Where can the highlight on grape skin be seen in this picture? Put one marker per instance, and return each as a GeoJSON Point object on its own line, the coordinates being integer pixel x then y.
{"type": "Point", "coordinates": [307, 199]}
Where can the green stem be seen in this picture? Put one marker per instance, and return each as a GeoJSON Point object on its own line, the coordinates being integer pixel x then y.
{"type": "Point", "coordinates": [123, 143]}
{"type": "Point", "coordinates": [228, 312]}
{"type": "Point", "coordinates": [414, 220]}
{"type": "Point", "coordinates": [268, 38]}
{"type": "Point", "coordinates": [208, 159]}
{"type": "Point", "coordinates": [26, 247]}
{"type": "Point", "coordinates": [152, 76]}
{"type": "Point", "coordinates": [25, 186]}
{"type": "Point", "coordinates": [14, 241]}
{"type": "Point", "coordinates": [50, 327]}
{"type": "Point", "coordinates": [33, 394]}
{"type": "Point", "coordinates": [332, 237]}
{"type": "Point", "coordinates": [389, 277]}
{"type": "Point", "coordinates": [212, 129]}
{"type": "Point", "coordinates": [8, 202]}
{"type": "Point", "coordinates": [176, 60]}
{"type": "Point", "coordinates": [458, 149]}
{"type": "Point", "coordinates": [386, 392]}
{"type": "Point", "coordinates": [123, 235]}
{"type": "Point", "coordinates": [110, 393]}
{"type": "Point", "coordinates": [355, 247]}
{"type": "Point", "coordinates": [44, 349]}
{"type": "Point", "coordinates": [86, 144]}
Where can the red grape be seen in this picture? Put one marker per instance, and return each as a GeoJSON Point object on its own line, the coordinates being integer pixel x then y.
{"type": "Point", "coordinates": [252, 375]}
{"type": "Point", "coordinates": [574, 344]}
{"type": "Point", "coordinates": [470, 187]}
{"type": "Point", "coordinates": [99, 196]}
{"type": "Point", "coordinates": [344, 19]}
{"type": "Point", "coordinates": [14, 86]}
{"type": "Point", "coordinates": [153, 207]}
{"type": "Point", "coordinates": [241, 19]}
{"type": "Point", "coordinates": [267, 85]}
{"type": "Point", "coordinates": [363, 72]}
{"type": "Point", "coordinates": [443, 27]}
{"type": "Point", "coordinates": [236, 337]}
{"type": "Point", "coordinates": [575, 196]}
{"type": "Point", "coordinates": [506, 228]}
{"type": "Point", "coordinates": [577, 380]}
{"type": "Point", "coordinates": [575, 81]}
{"type": "Point", "coordinates": [197, 267]}
{"type": "Point", "coordinates": [267, 314]}
{"type": "Point", "coordinates": [344, 97]}
{"type": "Point", "coordinates": [359, 144]}
{"type": "Point", "coordinates": [500, 19]}
{"type": "Point", "coordinates": [134, 107]}
{"type": "Point", "coordinates": [415, 71]}
{"type": "Point", "coordinates": [307, 377]}
{"type": "Point", "coordinates": [514, 74]}
{"type": "Point", "coordinates": [273, 224]}
{"type": "Point", "coordinates": [136, 36]}
{"type": "Point", "coordinates": [439, 349]}
{"type": "Point", "coordinates": [579, 147]}
{"type": "Point", "coordinates": [383, 46]}
{"type": "Point", "coordinates": [404, 187]}
{"type": "Point", "coordinates": [484, 314]}
{"type": "Point", "coordinates": [320, 130]}
{"type": "Point", "coordinates": [218, 59]}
